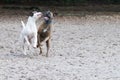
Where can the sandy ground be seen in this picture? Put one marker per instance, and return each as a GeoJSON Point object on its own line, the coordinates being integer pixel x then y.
{"type": "Point", "coordinates": [83, 48]}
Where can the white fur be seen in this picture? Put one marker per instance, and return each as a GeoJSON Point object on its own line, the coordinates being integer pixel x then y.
{"type": "Point", "coordinates": [29, 33]}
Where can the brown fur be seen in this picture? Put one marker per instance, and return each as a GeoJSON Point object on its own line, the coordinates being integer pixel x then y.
{"type": "Point", "coordinates": [44, 31]}
{"type": "Point", "coordinates": [43, 35]}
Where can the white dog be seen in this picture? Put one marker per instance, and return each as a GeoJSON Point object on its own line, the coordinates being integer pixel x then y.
{"type": "Point", "coordinates": [29, 33]}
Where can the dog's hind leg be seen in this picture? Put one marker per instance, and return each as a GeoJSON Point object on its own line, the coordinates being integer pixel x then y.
{"type": "Point", "coordinates": [23, 46]}
{"type": "Point", "coordinates": [26, 39]}
{"type": "Point", "coordinates": [48, 46]}
{"type": "Point", "coordinates": [40, 49]}
{"type": "Point", "coordinates": [34, 41]}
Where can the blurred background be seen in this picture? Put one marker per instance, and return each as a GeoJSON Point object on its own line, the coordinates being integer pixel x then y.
{"type": "Point", "coordinates": [59, 2]}
{"type": "Point", "coordinates": [65, 6]}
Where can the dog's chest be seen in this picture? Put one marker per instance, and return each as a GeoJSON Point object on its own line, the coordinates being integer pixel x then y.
{"type": "Point", "coordinates": [44, 31]}
{"type": "Point", "coordinates": [44, 35]}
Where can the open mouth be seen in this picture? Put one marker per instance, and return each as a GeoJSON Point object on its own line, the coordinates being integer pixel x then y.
{"type": "Point", "coordinates": [46, 18]}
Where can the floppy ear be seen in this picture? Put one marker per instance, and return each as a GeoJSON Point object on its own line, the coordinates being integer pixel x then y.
{"type": "Point", "coordinates": [31, 14]}
{"type": "Point", "coordinates": [55, 14]}
{"type": "Point", "coordinates": [34, 12]}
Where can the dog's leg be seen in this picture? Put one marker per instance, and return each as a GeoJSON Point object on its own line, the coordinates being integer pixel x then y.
{"type": "Point", "coordinates": [48, 46]}
{"type": "Point", "coordinates": [26, 39]}
{"type": "Point", "coordinates": [38, 41]}
{"type": "Point", "coordinates": [23, 46]}
{"type": "Point", "coordinates": [40, 49]}
{"type": "Point", "coordinates": [45, 40]}
{"type": "Point", "coordinates": [34, 43]}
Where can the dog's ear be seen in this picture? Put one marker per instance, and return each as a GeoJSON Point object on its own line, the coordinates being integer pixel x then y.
{"type": "Point", "coordinates": [31, 14]}
{"type": "Point", "coordinates": [55, 14]}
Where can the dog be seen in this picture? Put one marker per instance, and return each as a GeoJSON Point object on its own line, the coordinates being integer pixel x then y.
{"type": "Point", "coordinates": [29, 32]}
{"type": "Point", "coordinates": [44, 31]}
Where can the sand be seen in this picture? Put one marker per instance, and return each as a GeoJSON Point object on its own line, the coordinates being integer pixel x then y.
{"type": "Point", "coordinates": [82, 48]}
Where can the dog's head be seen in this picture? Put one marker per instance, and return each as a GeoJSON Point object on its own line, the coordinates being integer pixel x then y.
{"type": "Point", "coordinates": [36, 14]}
{"type": "Point", "coordinates": [48, 16]}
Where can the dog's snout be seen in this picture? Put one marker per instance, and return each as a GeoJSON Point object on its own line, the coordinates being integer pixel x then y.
{"type": "Point", "coordinates": [39, 14]}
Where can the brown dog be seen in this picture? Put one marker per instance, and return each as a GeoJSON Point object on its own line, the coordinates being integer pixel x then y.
{"type": "Point", "coordinates": [44, 31]}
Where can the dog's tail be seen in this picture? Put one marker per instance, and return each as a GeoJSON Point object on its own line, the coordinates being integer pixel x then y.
{"type": "Point", "coordinates": [23, 24]}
